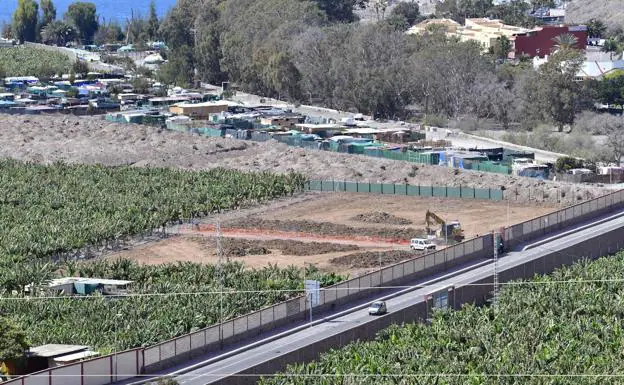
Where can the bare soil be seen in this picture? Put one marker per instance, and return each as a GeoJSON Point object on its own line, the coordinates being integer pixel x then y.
{"type": "Point", "coordinates": [237, 247]}
{"type": "Point", "coordinates": [325, 228]}
{"type": "Point", "coordinates": [309, 222]}
{"type": "Point", "coordinates": [371, 259]}
{"type": "Point", "coordinates": [381, 218]}
{"type": "Point", "coordinates": [50, 138]}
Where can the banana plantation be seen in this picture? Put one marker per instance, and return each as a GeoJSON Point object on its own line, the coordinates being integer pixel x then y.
{"type": "Point", "coordinates": [47, 212]}
{"type": "Point", "coordinates": [51, 210]}
{"type": "Point", "coordinates": [168, 300]}
{"type": "Point", "coordinates": [561, 329]}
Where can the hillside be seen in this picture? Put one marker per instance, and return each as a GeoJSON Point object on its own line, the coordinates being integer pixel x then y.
{"type": "Point", "coordinates": [46, 139]}
{"type": "Point", "coordinates": [610, 11]}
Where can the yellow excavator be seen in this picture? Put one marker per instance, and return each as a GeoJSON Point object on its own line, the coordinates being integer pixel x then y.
{"type": "Point", "coordinates": [447, 230]}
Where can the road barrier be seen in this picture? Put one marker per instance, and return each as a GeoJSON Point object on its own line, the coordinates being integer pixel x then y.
{"type": "Point", "coordinates": [215, 338]}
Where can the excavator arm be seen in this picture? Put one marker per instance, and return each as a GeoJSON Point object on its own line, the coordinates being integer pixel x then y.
{"type": "Point", "coordinates": [432, 218]}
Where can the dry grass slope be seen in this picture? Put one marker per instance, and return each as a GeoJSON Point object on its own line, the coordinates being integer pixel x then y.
{"type": "Point", "coordinates": [609, 11]}
{"type": "Point", "coordinates": [46, 139]}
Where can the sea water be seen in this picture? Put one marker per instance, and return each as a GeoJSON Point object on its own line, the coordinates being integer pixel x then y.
{"type": "Point", "coordinates": [119, 10]}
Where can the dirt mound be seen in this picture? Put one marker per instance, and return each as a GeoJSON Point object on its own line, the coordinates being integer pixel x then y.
{"type": "Point", "coordinates": [381, 217]}
{"type": "Point", "coordinates": [236, 247]}
{"type": "Point", "coordinates": [50, 138]}
{"type": "Point", "coordinates": [371, 259]}
{"type": "Point", "coordinates": [297, 248]}
{"type": "Point", "coordinates": [324, 228]}
{"type": "Point", "coordinates": [241, 247]}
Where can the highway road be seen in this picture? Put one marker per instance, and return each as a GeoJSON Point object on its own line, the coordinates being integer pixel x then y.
{"type": "Point", "coordinates": [222, 368]}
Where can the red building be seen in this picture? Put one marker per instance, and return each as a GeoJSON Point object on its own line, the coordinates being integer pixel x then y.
{"type": "Point", "coordinates": [539, 42]}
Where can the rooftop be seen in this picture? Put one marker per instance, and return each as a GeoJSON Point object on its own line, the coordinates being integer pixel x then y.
{"type": "Point", "coordinates": [77, 356]}
{"type": "Point", "coordinates": [89, 281]}
{"type": "Point", "coordinates": [53, 350]}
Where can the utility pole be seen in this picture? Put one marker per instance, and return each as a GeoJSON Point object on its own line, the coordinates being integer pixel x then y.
{"type": "Point", "coordinates": [495, 296]}
{"type": "Point", "coordinates": [117, 317]}
{"type": "Point", "coordinates": [220, 269]}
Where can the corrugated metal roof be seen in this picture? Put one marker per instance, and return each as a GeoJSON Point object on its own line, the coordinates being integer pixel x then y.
{"type": "Point", "coordinates": [76, 356]}
{"type": "Point", "coordinates": [53, 350]}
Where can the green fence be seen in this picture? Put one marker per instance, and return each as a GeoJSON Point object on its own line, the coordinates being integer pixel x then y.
{"type": "Point", "coordinates": [407, 190]}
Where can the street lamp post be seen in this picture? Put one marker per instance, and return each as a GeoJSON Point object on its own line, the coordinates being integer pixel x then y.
{"type": "Point", "coordinates": [117, 316]}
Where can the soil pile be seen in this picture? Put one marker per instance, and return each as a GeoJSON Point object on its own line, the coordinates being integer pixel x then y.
{"type": "Point", "coordinates": [323, 228]}
{"type": "Point", "coordinates": [51, 138]}
{"type": "Point", "coordinates": [236, 247]}
{"type": "Point", "coordinates": [370, 259]}
{"type": "Point", "coordinates": [381, 217]}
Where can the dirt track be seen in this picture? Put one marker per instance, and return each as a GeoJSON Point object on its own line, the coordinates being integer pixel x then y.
{"type": "Point", "coordinates": [50, 138]}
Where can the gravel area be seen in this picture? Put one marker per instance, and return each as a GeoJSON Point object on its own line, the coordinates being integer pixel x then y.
{"type": "Point", "coordinates": [50, 138]}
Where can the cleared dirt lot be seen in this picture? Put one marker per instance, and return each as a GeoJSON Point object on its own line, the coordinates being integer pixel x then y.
{"type": "Point", "coordinates": [299, 231]}
{"type": "Point", "coordinates": [51, 138]}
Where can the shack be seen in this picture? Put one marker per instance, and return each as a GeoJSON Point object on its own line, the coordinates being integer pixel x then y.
{"type": "Point", "coordinates": [198, 110]}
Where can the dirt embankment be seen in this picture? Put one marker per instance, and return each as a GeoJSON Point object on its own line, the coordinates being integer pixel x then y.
{"type": "Point", "coordinates": [324, 228]}
{"type": "Point", "coordinates": [380, 217]}
{"type": "Point", "coordinates": [236, 247]}
{"type": "Point", "coordinates": [50, 138]}
{"type": "Point", "coordinates": [368, 259]}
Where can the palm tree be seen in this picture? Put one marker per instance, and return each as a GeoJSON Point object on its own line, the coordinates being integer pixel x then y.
{"type": "Point", "coordinates": [565, 42]}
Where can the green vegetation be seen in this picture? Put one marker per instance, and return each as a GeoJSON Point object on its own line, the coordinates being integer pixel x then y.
{"type": "Point", "coordinates": [31, 61]}
{"type": "Point", "coordinates": [83, 16]}
{"type": "Point", "coordinates": [12, 341]}
{"type": "Point", "coordinates": [146, 320]}
{"type": "Point", "coordinates": [50, 210]}
{"type": "Point", "coordinates": [548, 331]}
{"type": "Point", "coordinates": [25, 20]}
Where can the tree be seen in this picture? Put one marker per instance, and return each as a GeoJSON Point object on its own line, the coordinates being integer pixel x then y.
{"type": "Point", "coordinates": [25, 20]}
{"type": "Point", "coordinates": [596, 28]}
{"type": "Point", "coordinates": [84, 17]}
{"type": "Point", "coordinates": [493, 99]}
{"type": "Point", "coordinates": [565, 41]}
{"type": "Point", "coordinates": [610, 90]}
{"type": "Point", "coordinates": [80, 68]}
{"type": "Point", "coordinates": [460, 10]}
{"type": "Point", "coordinates": [502, 47]}
{"type": "Point", "coordinates": [48, 12]}
{"type": "Point", "coordinates": [58, 33]}
{"type": "Point", "coordinates": [110, 32]}
{"type": "Point", "coordinates": [611, 46]}
{"type": "Point", "coordinates": [614, 130]}
{"type": "Point", "coordinates": [558, 92]}
{"type": "Point", "coordinates": [341, 10]}
{"type": "Point", "coordinates": [152, 22]}
{"type": "Point", "coordinates": [536, 4]}
{"type": "Point", "coordinates": [404, 15]}
{"type": "Point", "coordinates": [13, 342]}
{"type": "Point", "coordinates": [513, 12]}
{"type": "Point", "coordinates": [566, 163]}
{"type": "Point", "coordinates": [208, 53]}
{"type": "Point", "coordinates": [178, 71]}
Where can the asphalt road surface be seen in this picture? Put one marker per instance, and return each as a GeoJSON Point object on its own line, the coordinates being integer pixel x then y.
{"type": "Point", "coordinates": [235, 364]}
